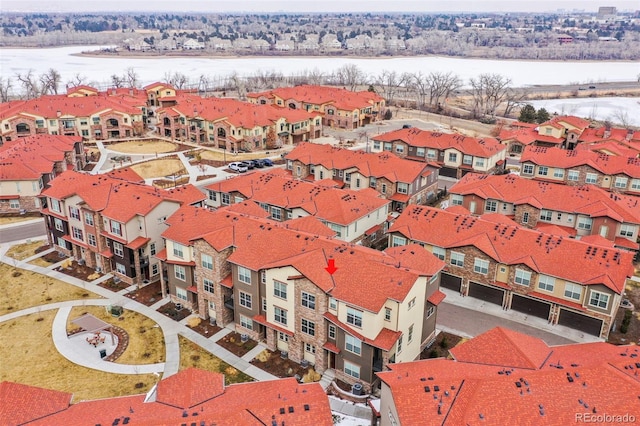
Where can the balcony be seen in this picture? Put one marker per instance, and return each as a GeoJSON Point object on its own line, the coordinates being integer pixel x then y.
{"type": "Point", "coordinates": [144, 261]}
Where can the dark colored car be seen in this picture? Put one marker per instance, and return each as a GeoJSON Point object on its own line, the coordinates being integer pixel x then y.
{"type": "Point", "coordinates": [249, 165]}
{"type": "Point", "coordinates": [267, 162]}
{"type": "Point", "coordinates": [257, 163]}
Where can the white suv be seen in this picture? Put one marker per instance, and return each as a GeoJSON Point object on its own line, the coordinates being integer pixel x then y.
{"type": "Point", "coordinates": [238, 167]}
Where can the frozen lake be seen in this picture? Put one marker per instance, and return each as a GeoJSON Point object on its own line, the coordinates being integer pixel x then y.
{"type": "Point", "coordinates": [616, 110]}
{"type": "Point", "coordinates": [522, 73]}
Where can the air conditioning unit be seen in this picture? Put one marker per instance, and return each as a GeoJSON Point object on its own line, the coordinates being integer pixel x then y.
{"type": "Point", "coordinates": [116, 280]}
{"type": "Point", "coordinates": [98, 269]}
{"type": "Point", "coordinates": [178, 306]}
{"type": "Point", "coordinates": [81, 262]}
{"type": "Point", "coordinates": [61, 254]}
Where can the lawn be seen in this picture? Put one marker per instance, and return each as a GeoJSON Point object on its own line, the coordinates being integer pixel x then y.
{"type": "Point", "coordinates": [20, 289]}
{"type": "Point", "coordinates": [143, 147]}
{"type": "Point", "coordinates": [23, 251]}
{"type": "Point", "coordinates": [159, 168]}
{"type": "Point", "coordinates": [29, 356]}
{"type": "Point", "coordinates": [192, 355]}
{"type": "Point", "coordinates": [220, 155]}
{"type": "Point", "coordinates": [146, 341]}
{"type": "Point", "coordinates": [16, 219]}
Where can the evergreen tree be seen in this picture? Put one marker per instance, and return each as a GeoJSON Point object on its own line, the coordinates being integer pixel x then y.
{"type": "Point", "coordinates": [542, 115]}
{"type": "Point", "coordinates": [528, 114]}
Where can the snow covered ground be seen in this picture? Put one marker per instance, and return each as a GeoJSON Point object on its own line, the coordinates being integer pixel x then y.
{"type": "Point", "coordinates": [616, 110]}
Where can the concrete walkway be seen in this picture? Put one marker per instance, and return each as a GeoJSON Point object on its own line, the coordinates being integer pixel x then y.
{"type": "Point", "coordinates": [170, 328]}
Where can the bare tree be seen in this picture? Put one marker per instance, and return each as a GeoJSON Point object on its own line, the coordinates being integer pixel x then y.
{"type": "Point", "coordinates": [350, 76]}
{"type": "Point", "coordinates": [441, 85]}
{"type": "Point", "coordinates": [5, 89]}
{"type": "Point", "coordinates": [117, 81]}
{"type": "Point", "coordinates": [514, 98]}
{"type": "Point", "coordinates": [131, 77]}
{"type": "Point", "coordinates": [388, 83]}
{"type": "Point", "coordinates": [176, 79]}
{"type": "Point", "coordinates": [420, 87]}
{"type": "Point", "coordinates": [488, 91]}
{"type": "Point", "coordinates": [621, 116]}
{"type": "Point", "coordinates": [30, 85]}
{"type": "Point", "coordinates": [316, 77]}
{"type": "Point", "coordinates": [77, 80]}
{"type": "Point", "coordinates": [50, 81]}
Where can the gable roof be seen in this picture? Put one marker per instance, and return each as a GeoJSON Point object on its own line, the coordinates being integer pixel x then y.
{"type": "Point", "coordinates": [31, 157]}
{"type": "Point", "coordinates": [322, 95]}
{"type": "Point", "coordinates": [191, 387]}
{"type": "Point", "coordinates": [23, 403]}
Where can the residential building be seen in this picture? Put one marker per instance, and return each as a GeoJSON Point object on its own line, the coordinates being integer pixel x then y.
{"type": "Point", "coordinates": [29, 163]}
{"type": "Point", "coordinates": [576, 211]}
{"type": "Point", "coordinates": [234, 125]}
{"type": "Point", "coordinates": [566, 127]}
{"type": "Point", "coordinates": [455, 154]}
{"type": "Point", "coordinates": [400, 180]}
{"type": "Point", "coordinates": [83, 112]}
{"type": "Point", "coordinates": [338, 107]}
{"type": "Point", "coordinates": [191, 396]}
{"type": "Point", "coordinates": [518, 135]}
{"type": "Point", "coordinates": [347, 212]}
{"type": "Point", "coordinates": [579, 167]}
{"type": "Point", "coordinates": [111, 224]}
{"type": "Point", "coordinates": [563, 280]}
{"type": "Point", "coordinates": [269, 279]}
{"type": "Point", "coordinates": [503, 377]}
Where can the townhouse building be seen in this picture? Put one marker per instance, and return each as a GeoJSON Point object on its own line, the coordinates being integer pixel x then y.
{"type": "Point", "coordinates": [455, 154]}
{"type": "Point", "coordinates": [579, 167]}
{"type": "Point", "coordinates": [517, 136]}
{"type": "Point", "coordinates": [111, 224]}
{"type": "Point", "coordinates": [81, 112]}
{"type": "Point", "coordinates": [270, 280]}
{"type": "Point", "coordinates": [565, 127]}
{"type": "Point", "coordinates": [575, 211]}
{"type": "Point", "coordinates": [29, 163]}
{"type": "Point", "coordinates": [338, 107]}
{"type": "Point", "coordinates": [503, 377]}
{"type": "Point", "coordinates": [614, 135]}
{"type": "Point", "coordinates": [350, 214]}
{"type": "Point", "coordinates": [191, 396]}
{"type": "Point", "coordinates": [400, 180]}
{"type": "Point", "coordinates": [234, 125]}
{"type": "Point", "coordinates": [563, 280]}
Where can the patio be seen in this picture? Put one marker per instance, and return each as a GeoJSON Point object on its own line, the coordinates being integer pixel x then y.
{"type": "Point", "coordinates": [96, 339]}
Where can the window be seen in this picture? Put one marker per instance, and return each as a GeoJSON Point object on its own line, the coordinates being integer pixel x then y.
{"type": "Point", "coordinates": [591, 178]}
{"type": "Point", "coordinates": [453, 157]}
{"type": "Point", "coordinates": [352, 344]}
{"type": "Point", "coordinates": [207, 261]}
{"type": "Point", "coordinates": [308, 327]}
{"type": "Point", "coordinates": [431, 154]}
{"type": "Point", "coordinates": [152, 249]}
{"type": "Point", "coordinates": [91, 239]}
{"type": "Point", "coordinates": [55, 205]}
{"type": "Point", "coordinates": [308, 347]}
{"type": "Point", "coordinates": [376, 145]}
{"type": "Point", "coordinates": [635, 184]}
{"type": "Point", "coordinates": [245, 300]}
{"type": "Point", "coordinates": [213, 196]}
{"type": "Point", "coordinates": [599, 300]}
{"type": "Point", "coordinates": [224, 199]}
{"type": "Point", "coordinates": [573, 175]}
{"type": "Point", "coordinates": [332, 332]}
{"type": "Point", "coordinates": [627, 230]}
{"type": "Point", "coordinates": [333, 303]}
{"type": "Point", "coordinates": [400, 149]}
{"type": "Point", "coordinates": [431, 310]}
{"type": "Point", "coordinates": [479, 162]}
{"type": "Point", "coordinates": [467, 159]}
{"type": "Point", "coordinates": [351, 369]}
{"type": "Point", "coordinates": [118, 249]}
{"type": "Point", "coordinates": [283, 337]}
{"type": "Point", "coordinates": [14, 204]}
{"type": "Point", "coordinates": [457, 259]}
{"type": "Point", "coordinates": [178, 250]}
{"type": "Point", "coordinates": [439, 252]}
{"type": "Point", "coordinates": [208, 285]}
{"type": "Point", "coordinates": [546, 215]}
{"type": "Point", "coordinates": [308, 300]}
{"type": "Point", "coordinates": [121, 269]}
{"type": "Point", "coordinates": [180, 272]}
{"type": "Point", "coordinates": [399, 344]}
{"type": "Point", "coordinates": [546, 282]}
{"type": "Point", "coordinates": [387, 146]}
{"type": "Point", "coordinates": [88, 219]}
{"type": "Point", "coordinates": [420, 152]}
{"type": "Point", "coordinates": [383, 188]}
{"type": "Point", "coordinates": [410, 336]}
{"type": "Point", "coordinates": [456, 200]}
{"type": "Point", "coordinates": [585, 223]}
{"type": "Point", "coordinates": [543, 171]}
{"type": "Point", "coordinates": [280, 315]}
{"type": "Point", "coordinates": [264, 304]}
{"type": "Point", "coordinates": [58, 224]}
{"type": "Point", "coordinates": [387, 314]}
{"type": "Point", "coordinates": [246, 322]}
{"type": "Point", "coordinates": [402, 188]}
{"type": "Point", "coordinates": [347, 177]}
{"type": "Point", "coordinates": [491, 206]}
{"type": "Point", "coordinates": [558, 173]}
{"type": "Point", "coordinates": [154, 269]}
{"type": "Point", "coordinates": [280, 290]}
{"type": "Point", "coordinates": [244, 275]}
{"type": "Point", "coordinates": [522, 277]}
{"type": "Point", "coordinates": [397, 241]}
{"type": "Point", "coordinates": [116, 228]}
{"type": "Point", "coordinates": [372, 182]}
{"type": "Point", "coordinates": [77, 233]}
{"type": "Point", "coordinates": [621, 182]}
{"type": "Point", "coordinates": [74, 213]}
{"type": "Point", "coordinates": [572, 291]}
{"type": "Point", "coordinates": [354, 317]}
{"type": "Point", "coordinates": [481, 266]}
{"type": "Point", "coordinates": [525, 217]}
{"type": "Point", "coordinates": [527, 169]}
{"type": "Point", "coordinates": [412, 303]}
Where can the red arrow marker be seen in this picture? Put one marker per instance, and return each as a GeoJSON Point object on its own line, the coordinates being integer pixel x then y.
{"type": "Point", "coordinates": [331, 267]}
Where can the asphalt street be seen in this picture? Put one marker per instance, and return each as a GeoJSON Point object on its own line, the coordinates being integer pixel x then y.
{"type": "Point", "coordinates": [22, 232]}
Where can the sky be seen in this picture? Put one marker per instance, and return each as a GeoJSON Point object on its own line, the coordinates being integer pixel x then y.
{"type": "Point", "coordinates": [212, 6]}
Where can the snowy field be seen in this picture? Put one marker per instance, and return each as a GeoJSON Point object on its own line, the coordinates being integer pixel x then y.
{"type": "Point", "coordinates": [617, 110]}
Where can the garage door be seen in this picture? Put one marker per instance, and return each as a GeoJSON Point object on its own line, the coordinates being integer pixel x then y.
{"type": "Point", "coordinates": [448, 172]}
{"type": "Point", "coordinates": [580, 322]}
{"type": "Point", "coordinates": [530, 306]}
{"type": "Point", "coordinates": [450, 281]}
{"type": "Point", "coordinates": [488, 294]}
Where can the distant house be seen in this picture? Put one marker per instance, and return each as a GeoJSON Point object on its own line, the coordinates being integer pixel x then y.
{"type": "Point", "coordinates": [192, 44]}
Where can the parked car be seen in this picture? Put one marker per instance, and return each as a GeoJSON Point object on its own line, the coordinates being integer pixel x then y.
{"type": "Point", "coordinates": [267, 162]}
{"type": "Point", "coordinates": [247, 164]}
{"type": "Point", "coordinates": [238, 167]}
{"type": "Point", "coordinates": [256, 163]}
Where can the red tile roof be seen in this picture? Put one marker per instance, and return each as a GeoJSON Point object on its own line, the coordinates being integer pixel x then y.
{"type": "Point", "coordinates": [436, 298]}
{"type": "Point", "coordinates": [189, 388]}
{"type": "Point", "coordinates": [514, 245]}
{"type": "Point", "coordinates": [32, 157]}
{"type": "Point", "coordinates": [484, 387]}
{"type": "Point", "coordinates": [23, 403]}
{"type": "Point", "coordinates": [381, 165]}
{"type": "Point", "coordinates": [384, 340]}
{"type": "Point", "coordinates": [485, 147]}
